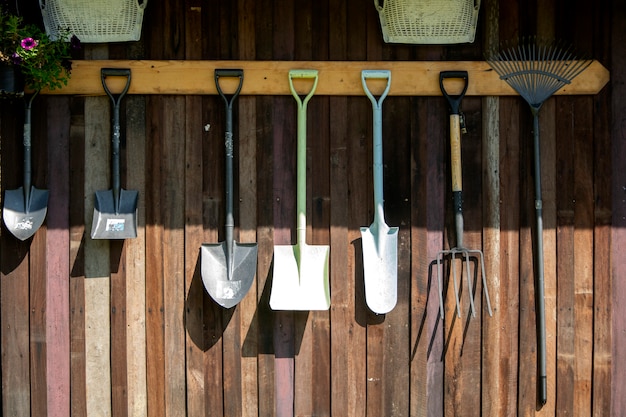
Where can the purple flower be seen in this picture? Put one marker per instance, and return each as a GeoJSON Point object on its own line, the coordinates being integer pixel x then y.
{"type": "Point", "coordinates": [17, 60]}
{"type": "Point", "coordinates": [29, 43]}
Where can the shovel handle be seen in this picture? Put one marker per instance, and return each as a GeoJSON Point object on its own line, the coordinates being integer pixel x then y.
{"type": "Point", "coordinates": [379, 75]}
{"type": "Point", "coordinates": [453, 100]}
{"type": "Point", "coordinates": [228, 73]}
{"type": "Point", "coordinates": [301, 148]}
{"type": "Point", "coordinates": [115, 137]}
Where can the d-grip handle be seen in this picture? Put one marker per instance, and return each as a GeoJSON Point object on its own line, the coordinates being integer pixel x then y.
{"type": "Point", "coordinates": [453, 100]}
{"type": "Point", "coordinates": [228, 73]}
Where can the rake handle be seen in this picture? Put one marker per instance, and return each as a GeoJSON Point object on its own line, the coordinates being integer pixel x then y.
{"type": "Point", "coordinates": [542, 373]}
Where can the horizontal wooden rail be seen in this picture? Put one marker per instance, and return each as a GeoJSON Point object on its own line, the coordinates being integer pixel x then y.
{"type": "Point", "coordinates": [338, 78]}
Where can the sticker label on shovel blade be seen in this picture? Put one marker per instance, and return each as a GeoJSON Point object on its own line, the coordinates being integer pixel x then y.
{"type": "Point", "coordinates": [115, 225]}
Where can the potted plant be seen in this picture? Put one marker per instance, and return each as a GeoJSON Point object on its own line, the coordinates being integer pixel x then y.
{"type": "Point", "coordinates": [27, 52]}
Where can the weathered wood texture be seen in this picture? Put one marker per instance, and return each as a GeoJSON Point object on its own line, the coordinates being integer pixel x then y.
{"type": "Point", "coordinates": [97, 328]}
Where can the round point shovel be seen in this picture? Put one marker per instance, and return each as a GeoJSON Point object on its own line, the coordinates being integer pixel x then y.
{"type": "Point", "coordinates": [25, 208]}
{"type": "Point", "coordinates": [228, 268]}
{"type": "Point", "coordinates": [115, 210]}
{"type": "Point", "coordinates": [380, 242]}
{"type": "Point", "coordinates": [300, 279]}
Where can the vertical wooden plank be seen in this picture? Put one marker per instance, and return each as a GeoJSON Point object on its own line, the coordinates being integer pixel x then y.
{"type": "Point", "coordinates": [602, 282]}
{"type": "Point", "coordinates": [37, 272]}
{"type": "Point", "coordinates": [511, 110]}
{"type": "Point", "coordinates": [97, 271]}
{"type": "Point", "coordinates": [312, 394]}
{"type": "Point", "coordinates": [173, 255]}
{"type": "Point", "coordinates": [14, 291]}
{"type": "Point", "coordinates": [583, 253]}
{"type": "Point", "coordinates": [194, 290]}
{"type": "Point", "coordinates": [618, 232]}
{"type": "Point", "coordinates": [78, 390]}
{"type": "Point", "coordinates": [155, 355]}
{"type": "Point", "coordinates": [135, 251]}
{"type": "Point", "coordinates": [566, 204]}
{"type": "Point", "coordinates": [58, 267]}
{"type": "Point", "coordinates": [396, 179]}
{"type": "Point", "coordinates": [495, 360]}
{"type": "Point", "coordinates": [263, 336]}
{"type": "Point", "coordinates": [248, 221]}
{"type": "Point", "coordinates": [284, 116]}
{"type": "Point", "coordinates": [435, 193]}
{"type": "Point", "coordinates": [509, 243]}
{"type": "Point", "coordinates": [213, 213]}
{"type": "Point", "coordinates": [348, 158]}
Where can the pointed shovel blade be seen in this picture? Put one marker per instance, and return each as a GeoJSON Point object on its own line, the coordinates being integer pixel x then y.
{"type": "Point", "coordinates": [228, 291]}
{"type": "Point", "coordinates": [24, 218]}
{"type": "Point", "coordinates": [300, 279]}
{"type": "Point", "coordinates": [380, 267]}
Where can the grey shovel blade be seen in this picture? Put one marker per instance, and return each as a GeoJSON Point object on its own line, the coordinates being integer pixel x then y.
{"type": "Point", "coordinates": [300, 279]}
{"type": "Point", "coordinates": [228, 291]}
{"type": "Point", "coordinates": [380, 268]}
{"type": "Point", "coordinates": [24, 218]}
{"type": "Point", "coordinates": [107, 224]}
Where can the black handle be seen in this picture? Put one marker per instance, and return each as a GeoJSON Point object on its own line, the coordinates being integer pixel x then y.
{"type": "Point", "coordinates": [453, 100]}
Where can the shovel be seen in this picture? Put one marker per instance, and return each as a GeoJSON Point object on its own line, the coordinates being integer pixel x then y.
{"type": "Point", "coordinates": [460, 251]}
{"type": "Point", "coordinates": [380, 242]}
{"type": "Point", "coordinates": [115, 210]}
{"type": "Point", "coordinates": [228, 267]}
{"type": "Point", "coordinates": [300, 280]}
{"type": "Point", "coordinates": [25, 208]}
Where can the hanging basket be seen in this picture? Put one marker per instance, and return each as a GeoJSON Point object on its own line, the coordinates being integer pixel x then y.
{"type": "Point", "coordinates": [94, 21]}
{"type": "Point", "coordinates": [428, 21]}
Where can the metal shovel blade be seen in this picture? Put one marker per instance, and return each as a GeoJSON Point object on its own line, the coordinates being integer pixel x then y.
{"type": "Point", "coordinates": [300, 280]}
{"type": "Point", "coordinates": [109, 223]}
{"type": "Point", "coordinates": [228, 289]}
{"type": "Point", "coordinates": [380, 267]}
{"type": "Point", "coordinates": [23, 218]}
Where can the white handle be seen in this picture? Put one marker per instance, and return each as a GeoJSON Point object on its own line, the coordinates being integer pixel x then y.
{"type": "Point", "coordinates": [140, 6]}
{"type": "Point", "coordinates": [377, 4]}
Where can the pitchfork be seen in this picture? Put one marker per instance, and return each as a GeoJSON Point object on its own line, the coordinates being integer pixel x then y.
{"type": "Point", "coordinates": [459, 250]}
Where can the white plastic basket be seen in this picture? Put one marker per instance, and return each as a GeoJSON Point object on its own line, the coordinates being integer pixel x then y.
{"type": "Point", "coordinates": [428, 21]}
{"type": "Point", "coordinates": [94, 21]}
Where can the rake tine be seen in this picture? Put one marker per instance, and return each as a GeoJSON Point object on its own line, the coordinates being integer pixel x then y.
{"type": "Point", "coordinates": [440, 282]}
{"type": "Point", "coordinates": [482, 267]}
{"type": "Point", "coordinates": [469, 282]}
{"type": "Point", "coordinates": [456, 289]}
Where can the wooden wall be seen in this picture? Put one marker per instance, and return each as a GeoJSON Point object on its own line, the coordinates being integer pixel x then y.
{"type": "Point", "coordinates": [125, 328]}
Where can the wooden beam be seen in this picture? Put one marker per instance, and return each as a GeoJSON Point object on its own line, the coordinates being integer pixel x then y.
{"type": "Point", "coordinates": [337, 78]}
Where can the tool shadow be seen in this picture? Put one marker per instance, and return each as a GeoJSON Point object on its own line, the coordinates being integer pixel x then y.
{"type": "Point", "coordinates": [447, 330]}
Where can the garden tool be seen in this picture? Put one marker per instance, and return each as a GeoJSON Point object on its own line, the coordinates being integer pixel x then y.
{"type": "Point", "coordinates": [228, 267]}
{"type": "Point", "coordinates": [537, 69]}
{"type": "Point", "coordinates": [300, 279]}
{"type": "Point", "coordinates": [380, 242]}
{"type": "Point", "coordinates": [115, 210]}
{"type": "Point", "coordinates": [25, 208]}
{"type": "Point", "coordinates": [458, 251]}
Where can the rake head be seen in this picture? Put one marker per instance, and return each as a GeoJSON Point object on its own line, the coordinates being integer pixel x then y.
{"type": "Point", "coordinates": [536, 68]}
{"type": "Point", "coordinates": [465, 255]}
